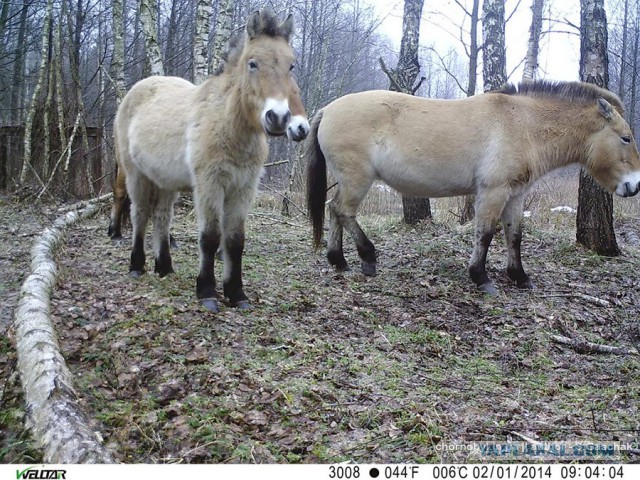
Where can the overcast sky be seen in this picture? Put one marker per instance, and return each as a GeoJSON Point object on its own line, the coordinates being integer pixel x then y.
{"type": "Point", "coordinates": [441, 20]}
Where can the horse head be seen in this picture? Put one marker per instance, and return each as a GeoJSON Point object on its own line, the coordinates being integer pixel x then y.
{"type": "Point", "coordinates": [612, 157]}
{"type": "Point", "coordinates": [263, 60]}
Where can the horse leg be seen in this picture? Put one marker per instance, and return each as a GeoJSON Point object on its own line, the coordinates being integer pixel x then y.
{"type": "Point", "coordinates": [512, 223]}
{"type": "Point", "coordinates": [140, 190]}
{"type": "Point", "coordinates": [489, 205]}
{"type": "Point", "coordinates": [366, 250]}
{"type": "Point", "coordinates": [343, 208]}
{"type": "Point", "coordinates": [236, 208]}
{"type": "Point", "coordinates": [161, 224]}
{"type": "Point", "coordinates": [335, 252]}
{"type": "Point", "coordinates": [120, 200]}
{"type": "Point", "coordinates": [208, 203]}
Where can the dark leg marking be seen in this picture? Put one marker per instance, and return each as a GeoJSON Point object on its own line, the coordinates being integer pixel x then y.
{"type": "Point", "coordinates": [515, 271]}
{"type": "Point", "coordinates": [206, 282]}
{"type": "Point", "coordinates": [477, 271]}
{"type": "Point", "coordinates": [163, 265]}
{"type": "Point", "coordinates": [234, 247]}
{"type": "Point", "coordinates": [136, 267]}
{"type": "Point", "coordinates": [367, 253]}
{"type": "Point", "coordinates": [336, 258]}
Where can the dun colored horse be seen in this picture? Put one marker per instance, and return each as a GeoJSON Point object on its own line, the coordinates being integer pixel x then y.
{"type": "Point", "coordinates": [297, 131]}
{"type": "Point", "coordinates": [493, 145]}
{"type": "Point", "coordinates": [172, 136]}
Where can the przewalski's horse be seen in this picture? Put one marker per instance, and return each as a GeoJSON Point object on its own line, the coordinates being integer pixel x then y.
{"type": "Point", "coordinates": [297, 131]}
{"type": "Point", "coordinates": [493, 145]}
{"type": "Point", "coordinates": [173, 136]}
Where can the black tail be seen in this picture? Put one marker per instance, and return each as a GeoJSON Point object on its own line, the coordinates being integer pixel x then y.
{"type": "Point", "coordinates": [316, 181]}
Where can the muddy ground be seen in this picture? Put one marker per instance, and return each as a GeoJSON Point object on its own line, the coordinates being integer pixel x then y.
{"type": "Point", "coordinates": [331, 367]}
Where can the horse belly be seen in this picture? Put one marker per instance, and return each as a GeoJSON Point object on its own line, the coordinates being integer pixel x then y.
{"type": "Point", "coordinates": [417, 173]}
{"type": "Point", "coordinates": [161, 160]}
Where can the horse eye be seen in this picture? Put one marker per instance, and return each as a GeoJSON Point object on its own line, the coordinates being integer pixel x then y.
{"type": "Point", "coordinates": [253, 65]}
{"type": "Point", "coordinates": [626, 139]}
{"type": "Point", "coordinates": [292, 67]}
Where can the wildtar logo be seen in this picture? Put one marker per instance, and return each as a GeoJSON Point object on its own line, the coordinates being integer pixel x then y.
{"type": "Point", "coordinates": [35, 473]}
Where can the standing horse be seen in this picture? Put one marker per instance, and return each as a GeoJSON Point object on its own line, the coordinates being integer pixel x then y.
{"type": "Point", "coordinates": [297, 131]}
{"type": "Point", "coordinates": [493, 145]}
{"type": "Point", "coordinates": [172, 136]}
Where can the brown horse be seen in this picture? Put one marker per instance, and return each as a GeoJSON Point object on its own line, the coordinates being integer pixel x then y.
{"type": "Point", "coordinates": [212, 138]}
{"type": "Point", "coordinates": [493, 145]}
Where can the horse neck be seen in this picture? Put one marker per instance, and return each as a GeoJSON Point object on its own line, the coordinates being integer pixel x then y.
{"type": "Point", "coordinates": [236, 122]}
{"type": "Point", "coordinates": [564, 135]}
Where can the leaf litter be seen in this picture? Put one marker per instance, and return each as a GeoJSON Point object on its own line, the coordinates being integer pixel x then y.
{"type": "Point", "coordinates": [331, 367]}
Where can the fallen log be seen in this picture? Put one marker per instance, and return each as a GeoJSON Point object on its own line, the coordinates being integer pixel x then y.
{"type": "Point", "coordinates": [54, 415]}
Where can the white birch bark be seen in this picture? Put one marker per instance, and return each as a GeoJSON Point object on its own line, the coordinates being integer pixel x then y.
{"type": "Point", "coordinates": [200, 41]}
{"type": "Point", "coordinates": [117, 60]}
{"type": "Point", "coordinates": [222, 32]}
{"type": "Point", "coordinates": [28, 126]}
{"type": "Point", "coordinates": [54, 415]}
{"type": "Point", "coordinates": [149, 20]}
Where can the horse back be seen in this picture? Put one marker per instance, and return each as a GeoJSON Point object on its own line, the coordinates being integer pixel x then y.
{"type": "Point", "coordinates": [418, 146]}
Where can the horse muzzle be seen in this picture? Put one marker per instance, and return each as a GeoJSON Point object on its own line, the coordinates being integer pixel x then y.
{"type": "Point", "coordinates": [275, 117]}
{"type": "Point", "coordinates": [629, 185]}
{"type": "Point", "coordinates": [298, 128]}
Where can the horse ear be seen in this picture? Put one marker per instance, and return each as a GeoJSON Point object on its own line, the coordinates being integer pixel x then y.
{"type": "Point", "coordinates": [255, 25]}
{"type": "Point", "coordinates": [605, 109]}
{"type": "Point", "coordinates": [287, 28]}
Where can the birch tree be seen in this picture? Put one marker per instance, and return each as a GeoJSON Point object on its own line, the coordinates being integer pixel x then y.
{"type": "Point", "coordinates": [494, 58]}
{"type": "Point", "coordinates": [533, 45]}
{"type": "Point", "coordinates": [594, 219]}
{"type": "Point", "coordinates": [222, 32]}
{"type": "Point", "coordinates": [403, 79]}
{"type": "Point", "coordinates": [149, 19]}
{"type": "Point", "coordinates": [200, 40]}
{"type": "Point", "coordinates": [117, 58]}
{"type": "Point", "coordinates": [28, 126]}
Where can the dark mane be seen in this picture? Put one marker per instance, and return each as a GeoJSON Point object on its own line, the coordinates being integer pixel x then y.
{"type": "Point", "coordinates": [569, 91]}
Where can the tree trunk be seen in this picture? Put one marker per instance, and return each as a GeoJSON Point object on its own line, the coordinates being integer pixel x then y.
{"type": "Point", "coordinates": [28, 126]}
{"type": "Point", "coordinates": [117, 60]}
{"type": "Point", "coordinates": [494, 68]}
{"type": "Point", "coordinates": [222, 32]}
{"type": "Point", "coordinates": [403, 79]}
{"type": "Point", "coordinates": [200, 41]}
{"type": "Point", "coordinates": [18, 67]}
{"type": "Point", "coordinates": [533, 46]}
{"type": "Point", "coordinates": [149, 19]}
{"type": "Point", "coordinates": [54, 415]}
{"type": "Point", "coordinates": [594, 219]}
{"type": "Point", "coordinates": [473, 50]}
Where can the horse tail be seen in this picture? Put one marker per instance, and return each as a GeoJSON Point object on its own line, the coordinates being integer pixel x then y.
{"type": "Point", "coordinates": [316, 181]}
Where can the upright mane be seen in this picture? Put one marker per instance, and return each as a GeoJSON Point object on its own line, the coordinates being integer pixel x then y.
{"type": "Point", "coordinates": [584, 93]}
{"type": "Point", "coordinates": [263, 22]}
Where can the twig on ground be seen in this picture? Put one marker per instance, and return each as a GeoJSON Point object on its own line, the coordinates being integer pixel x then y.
{"type": "Point", "coordinates": [582, 346]}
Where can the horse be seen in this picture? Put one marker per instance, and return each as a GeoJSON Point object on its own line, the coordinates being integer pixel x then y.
{"type": "Point", "coordinates": [172, 136]}
{"type": "Point", "coordinates": [493, 145]}
{"type": "Point", "coordinates": [297, 131]}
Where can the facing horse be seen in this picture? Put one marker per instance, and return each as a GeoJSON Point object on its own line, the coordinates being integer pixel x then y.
{"type": "Point", "coordinates": [494, 145]}
{"type": "Point", "coordinates": [172, 136]}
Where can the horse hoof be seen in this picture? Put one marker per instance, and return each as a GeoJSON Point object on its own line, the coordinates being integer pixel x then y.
{"type": "Point", "coordinates": [488, 289]}
{"type": "Point", "coordinates": [135, 273]}
{"type": "Point", "coordinates": [210, 304]}
{"type": "Point", "coordinates": [369, 269]}
{"type": "Point", "coordinates": [243, 305]}
{"type": "Point", "coordinates": [528, 285]}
